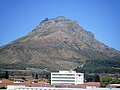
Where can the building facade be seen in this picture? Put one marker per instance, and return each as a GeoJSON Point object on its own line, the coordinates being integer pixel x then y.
{"type": "Point", "coordinates": [67, 78]}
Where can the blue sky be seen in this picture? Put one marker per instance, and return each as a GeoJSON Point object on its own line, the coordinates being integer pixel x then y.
{"type": "Point", "coordinates": [102, 17]}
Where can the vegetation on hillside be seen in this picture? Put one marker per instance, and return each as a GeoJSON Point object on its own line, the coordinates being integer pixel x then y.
{"type": "Point", "coordinates": [92, 78]}
{"type": "Point", "coordinates": [99, 66]}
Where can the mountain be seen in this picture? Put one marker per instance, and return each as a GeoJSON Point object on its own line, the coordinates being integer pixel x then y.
{"type": "Point", "coordinates": [57, 44]}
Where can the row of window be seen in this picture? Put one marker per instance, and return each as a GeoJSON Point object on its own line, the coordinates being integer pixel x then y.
{"type": "Point", "coordinates": [64, 83]}
{"type": "Point", "coordinates": [64, 74]}
{"type": "Point", "coordinates": [64, 80]}
{"type": "Point", "coordinates": [64, 77]}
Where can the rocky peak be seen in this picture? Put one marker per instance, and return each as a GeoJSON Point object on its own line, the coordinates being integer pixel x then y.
{"type": "Point", "coordinates": [60, 18]}
{"type": "Point", "coordinates": [58, 23]}
{"type": "Point", "coordinates": [57, 19]}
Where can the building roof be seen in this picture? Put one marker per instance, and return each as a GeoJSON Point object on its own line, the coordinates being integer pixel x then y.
{"type": "Point", "coordinates": [6, 82]}
{"type": "Point", "coordinates": [92, 84]}
{"type": "Point", "coordinates": [113, 86]}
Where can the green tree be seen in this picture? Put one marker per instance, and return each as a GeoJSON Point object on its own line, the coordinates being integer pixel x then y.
{"type": "Point", "coordinates": [36, 76]}
{"type": "Point", "coordinates": [105, 81]}
{"type": "Point", "coordinates": [2, 75]}
{"type": "Point", "coordinates": [96, 78]}
{"type": "Point", "coordinates": [23, 78]}
{"type": "Point", "coordinates": [109, 80]}
{"type": "Point", "coordinates": [33, 75]}
{"type": "Point", "coordinates": [6, 75]}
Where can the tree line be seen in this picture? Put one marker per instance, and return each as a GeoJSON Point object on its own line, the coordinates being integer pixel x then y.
{"type": "Point", "coordinates": [98, 70]}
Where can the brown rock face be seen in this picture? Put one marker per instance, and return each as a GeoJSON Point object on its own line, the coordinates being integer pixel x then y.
{"type": "Point", "coordinates": [56, 44]}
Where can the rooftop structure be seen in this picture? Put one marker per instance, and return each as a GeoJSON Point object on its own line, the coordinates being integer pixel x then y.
{"type": "Point", "coordinates": [67, 78]}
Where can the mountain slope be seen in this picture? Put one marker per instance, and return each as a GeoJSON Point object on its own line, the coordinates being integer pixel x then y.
{"type": "Point", "coordinates": [56, 44]}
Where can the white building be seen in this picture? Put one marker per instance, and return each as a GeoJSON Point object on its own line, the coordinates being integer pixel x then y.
{"type": "Point", "coordinates": [67, 78]}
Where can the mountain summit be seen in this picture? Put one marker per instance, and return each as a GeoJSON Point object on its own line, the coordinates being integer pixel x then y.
{"type": "Point", "coordinates": [57, 44]}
